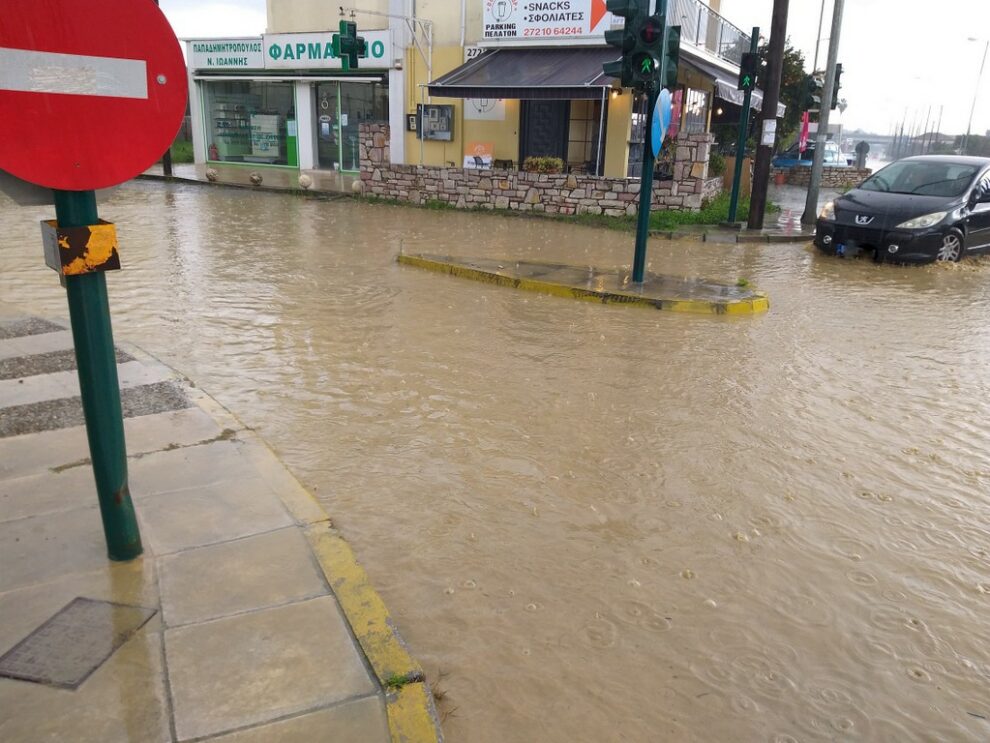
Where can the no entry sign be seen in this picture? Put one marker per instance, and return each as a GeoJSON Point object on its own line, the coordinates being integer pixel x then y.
{"type": "Point", "coordinates": [92, 92]}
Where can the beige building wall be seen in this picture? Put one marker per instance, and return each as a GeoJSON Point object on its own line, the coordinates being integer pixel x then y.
{"type": "Point", "coordinates": [617, 133]}
{"type": "Point", "coordinates": [287, 16]}
{"type": "Point", "coordinates": [452, 22]}
{"type": "Point", "coordinates": [449, 27]}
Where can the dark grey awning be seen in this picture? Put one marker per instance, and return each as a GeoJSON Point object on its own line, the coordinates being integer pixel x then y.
{"type": "Point", "coordinates": [562, 74]}
{"type": "Point", "coordinates": [725, 83]}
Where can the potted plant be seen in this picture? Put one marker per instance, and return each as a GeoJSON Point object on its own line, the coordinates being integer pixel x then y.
{"type": "Point", "coordinates": [543, 165]}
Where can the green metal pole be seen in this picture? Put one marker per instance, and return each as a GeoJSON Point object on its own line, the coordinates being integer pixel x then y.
{"type": "Point", "coordinates": [645, 192]}
{"type": "Point", "coordinates": [741, 138]}
{"type": "Point", "coordinates": [89, 312]}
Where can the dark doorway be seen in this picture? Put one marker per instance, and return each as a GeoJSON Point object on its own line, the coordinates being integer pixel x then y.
{"type": "Point", "coordinates": [543, 129]}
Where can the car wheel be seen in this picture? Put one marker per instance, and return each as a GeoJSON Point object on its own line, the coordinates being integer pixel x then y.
{"type": "Point", "coordinates": [951, 248]}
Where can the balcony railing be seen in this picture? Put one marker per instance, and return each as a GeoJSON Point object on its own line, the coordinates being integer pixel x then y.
{"type": "Point", "coordinates": [706, 29]}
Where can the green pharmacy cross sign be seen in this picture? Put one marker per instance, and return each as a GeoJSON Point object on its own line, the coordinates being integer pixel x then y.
{"type": "Point", "coordinates": [348, 46]}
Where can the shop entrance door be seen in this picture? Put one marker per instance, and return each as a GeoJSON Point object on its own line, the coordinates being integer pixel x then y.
{"type": "Point", "coordinates": [341, 107]}
{"type": "Point", "coordinates": [544, 129]}
{"type": "Point", "coordinates": [356, 105]}
{"type": "Point", "coordinates": [327, 126]}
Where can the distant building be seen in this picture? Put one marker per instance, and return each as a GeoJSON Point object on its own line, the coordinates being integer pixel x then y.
{"type": "Point", "coordinates": [479, 78]}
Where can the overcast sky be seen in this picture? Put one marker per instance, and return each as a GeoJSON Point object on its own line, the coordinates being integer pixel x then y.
{"type": "Point", "coordinates": [895, 54]}
{"type": "Point", "coordinates": [898, 55]}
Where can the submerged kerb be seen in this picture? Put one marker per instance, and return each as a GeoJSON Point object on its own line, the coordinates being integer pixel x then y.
{"type": "Point", "coordinates": [756, 303]}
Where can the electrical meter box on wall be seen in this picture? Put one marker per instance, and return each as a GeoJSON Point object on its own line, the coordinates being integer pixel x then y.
{"type": "Point", "coordinates": [435, 122]}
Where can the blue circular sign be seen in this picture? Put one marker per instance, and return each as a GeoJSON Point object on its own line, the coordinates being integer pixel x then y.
{"type": "Point", "coordinates": [661, 120]}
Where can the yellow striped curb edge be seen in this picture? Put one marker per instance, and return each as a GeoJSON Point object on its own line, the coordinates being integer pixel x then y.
{"type": "Point", "coordinates": [759, 302]}
{"type": "Point", "coordinates": [412, 714]}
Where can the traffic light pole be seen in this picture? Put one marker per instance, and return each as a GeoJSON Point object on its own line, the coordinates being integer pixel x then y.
{"type": "Point", "coordinates": [754, 45]}
{"type": "Point", "coordinates": [96, 362]}
{"type": "Point", "coordinates": [645, 191]}
{"type": "Point", "coordinates": [810, 215]}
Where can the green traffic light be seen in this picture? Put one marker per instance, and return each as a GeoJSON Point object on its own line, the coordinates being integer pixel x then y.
{"type": "Point", "coordinates": [747, 71]}
{"type": "Point", "coordinates": [645, 66]}
{"type": "Point", "coordinates": [641, 43]}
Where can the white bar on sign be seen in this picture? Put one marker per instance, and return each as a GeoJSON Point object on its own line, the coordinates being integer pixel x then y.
{"type": "Point", "coordinates": [72, 74]}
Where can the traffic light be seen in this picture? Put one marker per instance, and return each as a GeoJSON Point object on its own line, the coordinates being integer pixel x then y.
{"type": "Point", "coordinates": [671, 57]}
{"type": "Point", "coordinates": [748, 68]}
{"type": "Point", "coordinates": [633, 11]}
{"type": "Point", "coordinates": [812, 92]}
{"type": "Point", "coordinates": [348, 46]}
{"type": "Point", "coordinates": [835, 88]}
{"type": "Point", "coordinates": [646, 60]}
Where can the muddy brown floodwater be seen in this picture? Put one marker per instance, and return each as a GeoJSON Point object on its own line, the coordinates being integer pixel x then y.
{"type": "Point", "coordinates": [603, 523]}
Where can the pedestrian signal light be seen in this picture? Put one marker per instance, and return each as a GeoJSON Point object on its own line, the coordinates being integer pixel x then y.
{"type": "Point", "coordinates": [625, 39]}
{"type": "Point", "coordinates": [651, 30]}
{"type": "Point", "coordinates": [648, 53]}
{"type": "Point", "coordinates": [748, 68]}
{"type": "Point", "coordinates": [645, 67]}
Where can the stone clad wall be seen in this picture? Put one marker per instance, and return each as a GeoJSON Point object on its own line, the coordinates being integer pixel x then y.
{"type": "Point", "coordinates": [537, 192]}
{"type": "Point", "coordinates": [831, 177]}
{"type": "Point", "coordinates": [712, 188]}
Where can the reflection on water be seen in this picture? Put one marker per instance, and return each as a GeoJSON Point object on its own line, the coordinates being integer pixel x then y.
{"type": "Point", "coordinates": [603, 523]}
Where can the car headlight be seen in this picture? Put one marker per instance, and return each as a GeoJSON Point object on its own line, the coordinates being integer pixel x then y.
{"type": "Point", "coordinates": [920, 223]}
{"type": "Point", "coordinates": [828, 211]}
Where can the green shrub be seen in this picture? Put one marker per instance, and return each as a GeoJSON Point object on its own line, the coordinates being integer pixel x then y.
{"type": "Point", "coordinates": [182, 152]}
{"type": "Point", "coordinates": [543, 165]}
{"type": "Point", "coordinates": [713, 211]}
{"type": "Point", "coordinates": [716, 165]}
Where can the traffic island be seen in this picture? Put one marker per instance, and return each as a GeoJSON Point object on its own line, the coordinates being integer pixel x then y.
{"type": "Point", "coordinates": [247, 618]}
{"type": "Point", "coordinates": [670, 293]}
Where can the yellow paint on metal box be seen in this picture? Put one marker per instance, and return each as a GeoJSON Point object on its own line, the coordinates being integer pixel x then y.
{"type": "Point", "coordinates": [73, 251]}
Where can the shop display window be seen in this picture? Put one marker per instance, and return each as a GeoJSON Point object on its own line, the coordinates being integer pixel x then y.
{"type": "Point", "coordinates": [696, 111]}
{"type": "Point", "coordinates": [250, 121]}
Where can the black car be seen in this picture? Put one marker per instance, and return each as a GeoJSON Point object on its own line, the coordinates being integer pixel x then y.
{"type": "Point", "coordinates": [916, 210]}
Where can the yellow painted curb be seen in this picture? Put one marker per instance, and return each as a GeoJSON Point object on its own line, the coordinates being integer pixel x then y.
{"type": "Point", "coordinates": [759, 302]}
{"type": "Point", "coordinates": [412, 716]}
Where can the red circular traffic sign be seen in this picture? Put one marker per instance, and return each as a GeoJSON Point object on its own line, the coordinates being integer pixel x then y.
{"type": "Point", "coordinates": [92, 92]}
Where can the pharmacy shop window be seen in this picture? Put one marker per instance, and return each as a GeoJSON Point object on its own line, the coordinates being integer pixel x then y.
{"type": "Point", "coordinates": [250, 121]}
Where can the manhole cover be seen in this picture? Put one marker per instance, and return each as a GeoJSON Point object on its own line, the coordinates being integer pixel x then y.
{"type": "Point", "coordinates": [76, 641]}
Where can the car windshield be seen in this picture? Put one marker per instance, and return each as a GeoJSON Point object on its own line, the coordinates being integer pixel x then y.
{"type": "Point", "coordinates": [922, 178]}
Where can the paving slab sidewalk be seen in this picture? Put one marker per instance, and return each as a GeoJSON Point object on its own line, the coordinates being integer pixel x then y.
{"type": "Point", "coordinates": [247, 619]}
